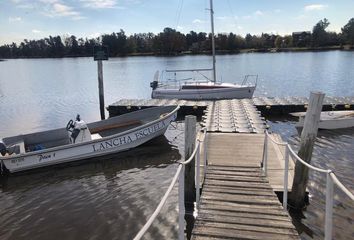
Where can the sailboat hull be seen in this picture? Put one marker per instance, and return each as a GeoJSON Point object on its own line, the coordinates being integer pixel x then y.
{"type": "Point", "coordinates": [204, 94]}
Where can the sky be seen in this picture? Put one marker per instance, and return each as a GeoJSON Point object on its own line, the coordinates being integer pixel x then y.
{"type": "Point", "coordinates": [35, 19]}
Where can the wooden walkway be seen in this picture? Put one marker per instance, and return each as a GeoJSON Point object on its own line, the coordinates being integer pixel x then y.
{"type": "Point", "coordinates": [237, 201]}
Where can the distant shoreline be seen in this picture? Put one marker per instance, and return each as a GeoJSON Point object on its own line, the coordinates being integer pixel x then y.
{"type": "Point", "coordinates": [218, 52]}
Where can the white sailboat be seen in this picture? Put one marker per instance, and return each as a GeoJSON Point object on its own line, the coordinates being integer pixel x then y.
{"type": "Point", "coordinates": [202, 89]}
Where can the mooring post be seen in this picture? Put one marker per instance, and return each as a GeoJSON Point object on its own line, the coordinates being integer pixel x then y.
{"type": "Point", "coordinates": [189, 176]}
{"type": "Point", "coordinates": [308, 137]}
{"type": "Point", "coordinates": [100, 88]}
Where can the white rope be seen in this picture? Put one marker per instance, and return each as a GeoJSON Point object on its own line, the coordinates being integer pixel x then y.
{"type": "Point", "coordinates": [164, 199]}
{"type": "Point", "coordinates": [159, 207]}
{"type": "Point", "coordinates": [274, 141]}
{"type": "Point", "coordinates": [332, 174]}
{"type": "Point", "coordinates": [341, 186]}
{"type": "Point", "coordinates": [305, 163]}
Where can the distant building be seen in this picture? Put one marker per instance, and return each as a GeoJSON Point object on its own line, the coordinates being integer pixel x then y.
{"type": "Point", "coordinates": [301, 39]}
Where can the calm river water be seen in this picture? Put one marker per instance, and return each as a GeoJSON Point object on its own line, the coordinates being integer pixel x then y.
{"type": "Point", "coordinates": [112, 198]}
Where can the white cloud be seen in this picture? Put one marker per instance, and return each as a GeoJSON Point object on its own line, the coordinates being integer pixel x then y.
{"type": "Point", "coordinates": [277, 10]}
{"type": "Point", "coordinates": [54, 8]}
{"type": "Point", "coordinates": [198, 21]}
{"type": "Point", "coordinates": [180, 28]}
{"type": "Point", "coordinates": [258, 13]}
{"type": "Point", "coordinates": [49, 1]}
{"type": "Point", "coordinates": [15, 19]}
{"type": "Point", "coordinates": [99, 3]}
{"type": "Point", "coordinates": [64, 10]}
{"type": "Point", "coordinates": [94, 35]}
{"type": "Point", "coordinates": [315, 7]}
{"type": "Point", "coordinates": [36, 31]}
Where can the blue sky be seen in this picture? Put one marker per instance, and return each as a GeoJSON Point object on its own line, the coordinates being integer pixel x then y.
{"type": "Point", "coordinates": [34, 19]}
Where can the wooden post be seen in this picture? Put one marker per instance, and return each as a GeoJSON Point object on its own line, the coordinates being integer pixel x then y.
{"type": "Point", "coordinates": [189, 176]}
{"type": "Point", "coordinates": [100, 88]}
{"type": "Point", "coordinates": [308, 137]}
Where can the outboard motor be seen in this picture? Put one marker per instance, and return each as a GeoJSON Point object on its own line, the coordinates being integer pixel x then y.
{"type": "Point", "coordinates": [155, 83]}
{"type": "Point", "coordinates": [78, 131]}
{"type": "Point", "coordinates": [3, 149]}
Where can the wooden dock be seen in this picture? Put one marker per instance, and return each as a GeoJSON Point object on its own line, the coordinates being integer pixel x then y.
{"type": "Point", "coordinates": [237, 200]}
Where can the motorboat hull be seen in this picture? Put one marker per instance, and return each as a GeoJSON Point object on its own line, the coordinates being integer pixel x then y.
{"type": "Point", "coordinates": [330, 120]}
{"type": "Point", "coordinates": [94, 148]}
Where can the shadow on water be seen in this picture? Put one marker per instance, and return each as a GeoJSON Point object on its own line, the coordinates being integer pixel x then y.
{"type": "Point", "coordinates": [109, 197]}
{"type": "Point", "coordinates": [334, 149]}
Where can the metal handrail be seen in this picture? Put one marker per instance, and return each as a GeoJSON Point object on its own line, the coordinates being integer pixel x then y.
{"type": "Point", "coordinates": [330, 179]}
{"type": "Point", "coordinates": [143, 230]}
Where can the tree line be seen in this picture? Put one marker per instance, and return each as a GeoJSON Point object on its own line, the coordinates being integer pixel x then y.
{"type": "Point", "coordinates": [172, 42]}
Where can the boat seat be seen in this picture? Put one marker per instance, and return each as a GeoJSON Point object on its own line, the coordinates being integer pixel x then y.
{"type": "Point", "coordinates": [95, 136]}
{"type": "Point", "coordinates": [21, 146]}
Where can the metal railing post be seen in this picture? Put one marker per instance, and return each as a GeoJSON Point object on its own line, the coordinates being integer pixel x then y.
{"type": "Point", "coordinates": [205, 156]}
{"type": "Point", "coordinates": [265, 154]}
{"type": "Point", "coordinates": [329, 206]}
{"type": "Point", "coordinates": [197, 180]}
{"type": "Point", "coordinates": [181, 204]}
{"type": "Point", "coordinates": [286, 173]}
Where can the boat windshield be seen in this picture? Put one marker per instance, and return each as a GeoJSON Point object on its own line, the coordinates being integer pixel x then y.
{"type": "Point", "coordinates": [181, 78]}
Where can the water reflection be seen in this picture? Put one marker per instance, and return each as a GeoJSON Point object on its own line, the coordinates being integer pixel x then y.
{"type": "Point", "coordinates": [334, 149]}
{"type": "Point", "coordinates": [105, 198]}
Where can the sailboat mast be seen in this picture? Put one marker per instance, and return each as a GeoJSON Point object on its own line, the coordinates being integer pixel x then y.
{"type": "Point", "coordinates": [212, 38]}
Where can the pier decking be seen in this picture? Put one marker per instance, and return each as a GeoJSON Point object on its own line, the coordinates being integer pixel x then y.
{"type": "Point", "coordinates": [237, 200]}
{"type": "Point", "coordinates": [243, 175]}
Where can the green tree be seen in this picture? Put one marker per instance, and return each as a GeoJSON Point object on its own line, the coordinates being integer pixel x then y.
{"type": "Point", "coordinates": [319, 34]}
{"type": "Point", "coordinates": [278, 42]}
{"type": "Point", "coordinates": [348, 32]}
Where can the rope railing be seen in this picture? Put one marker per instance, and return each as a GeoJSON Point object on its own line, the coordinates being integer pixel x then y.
{"type": "Point", "coordinates": [180, 176]}
{"type": "Point", "coordinates": [330, 179]}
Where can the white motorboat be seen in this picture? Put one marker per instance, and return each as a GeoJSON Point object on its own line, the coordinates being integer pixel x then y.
{"type": "Point", "coordinates": [201, 89]}
{"type": "Point", "coordinates": [81, 141]}
{"type": "Point", "coordinates": [329, 119]}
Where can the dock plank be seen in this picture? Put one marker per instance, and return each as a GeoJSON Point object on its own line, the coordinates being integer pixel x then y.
{"type": "Point", "coordinates": [237, 201]}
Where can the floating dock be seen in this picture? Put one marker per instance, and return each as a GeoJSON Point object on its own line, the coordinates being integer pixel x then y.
{"type": "Point", "coordinates": [267, 105]}
{"type": "Point", "coordinates": [239, 116]}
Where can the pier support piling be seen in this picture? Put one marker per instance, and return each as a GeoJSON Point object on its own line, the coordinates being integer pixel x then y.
{"type": "Point", "coordinates": [189, 177]}
{"type": "Point", "coordinates": [100, 88]}
{"type": "Point", "coordinates": [308, 137]}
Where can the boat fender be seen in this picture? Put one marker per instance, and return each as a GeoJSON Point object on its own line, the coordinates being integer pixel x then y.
{"type": "Point", "coordinates": [3, 149]}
